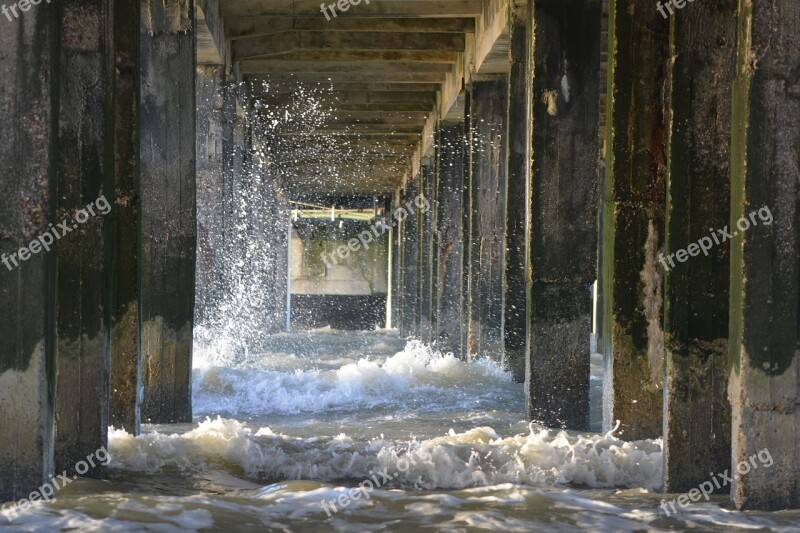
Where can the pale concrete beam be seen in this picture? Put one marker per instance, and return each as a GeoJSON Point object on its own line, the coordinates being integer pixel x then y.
{"type": "Point", "coordinates": [320, 40]}
{"type": "Point", "coordinates": [279, 66]}
{"type": "Point", "coordinates": [384, 8]}
{"type": "Point", "coordinates": [237, 27]}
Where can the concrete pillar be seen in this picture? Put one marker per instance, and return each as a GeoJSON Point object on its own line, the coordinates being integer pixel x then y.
{"type": "Point", "coordinates": [633, 223]}
{"type": "Point", "coordinates": [85, 182]}
{"type": "Point", "coordinates": [765, 266]}
{"type": "Point", "coordinates": [466, 228]}
{"type": "Point", "coordinates": [426, 236]}
{"type": "Point", "coordinates": [518, 205]}
{"type": "Point", "coordinates": [410, 266]}
{"type": "Point", "coordinates": [564, 175]}
{"type": "Point", "coordinates": [168, 208]}
{"type": "Point", "coordinates": [489, 106]}
{"type": "Point", "coordinates": [28, 77]}
{"type": "Point", "coordinates": [696, 409]}
{"type": "Point", "coordinates": [450, 244]}
{"type": "Point", "coordinates": [125, 368]}
{"type": "Point", "coordinates": [210, 196]}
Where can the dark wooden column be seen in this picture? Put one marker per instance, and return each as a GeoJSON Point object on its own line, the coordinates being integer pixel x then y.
{"type": "Point", "coordinates": [168, 208]}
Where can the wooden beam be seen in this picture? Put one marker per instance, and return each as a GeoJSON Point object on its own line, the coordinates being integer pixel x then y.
{"type": "Point", "coordinates": [335, 98]}
{"type": "Point", "coordinates": [238, 27]}
{"type": "Point", "coordinates": [348, 77]}
{"type": "Point", "coordinates": [423, 56]}
{"type": "Point", "coordinates": [382, 8]}
{"type": "Point", "coordinates": [320, 40]}
{"type": "Point", "coordinates": [270, 66]}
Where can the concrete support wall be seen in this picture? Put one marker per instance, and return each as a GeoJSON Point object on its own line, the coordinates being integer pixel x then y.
{"type": "Point", "coordinates": [633, 218]}
{"type": "Point", "coordinates": [765, 259]}
{"type": "Point", "coordinates": [697, 411]}
{"type": "Point", "coordinates": [28, 75]}
{"type": "Point", "coordinates": [82, 321]}
{"type": "Point", "coordinates": [168, 208]}
{"type": "Point", "coordinates": [125, 369]}
{"type": "Point", "coordinates": [519, 200]}
{"type": "Point", "coordinates": [563, 256]}
{"type": "Point", "coordinates": [489, 107]}
{"type": "Point", "coordinates": [450, 243]}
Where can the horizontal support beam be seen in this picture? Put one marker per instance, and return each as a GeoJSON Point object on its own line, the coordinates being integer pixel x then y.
{"type": "Point", "coordinates": [275, 66]}
{"type": "Point", "coordinates": [238, 27]}
{"type": "Point", "coordinates": [382, 8]}
{"type": "Point", "coordinates": [357, 97]}
{"type": "Point", "coordinates": [421, 56]}
{"type": "Point", "coordinates": [348, 77]}
{"type": "Point", "coordinates": [320, 40]}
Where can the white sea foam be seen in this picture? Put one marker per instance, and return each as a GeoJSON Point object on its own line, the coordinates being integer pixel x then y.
{"type": "Point", "coordinates": [478, 457]}
{"type": "Point", "coordinates": [288, 384]}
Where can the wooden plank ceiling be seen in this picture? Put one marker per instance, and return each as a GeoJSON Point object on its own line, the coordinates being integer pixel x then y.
{"type": "Point", "coordinates": [384, 71]}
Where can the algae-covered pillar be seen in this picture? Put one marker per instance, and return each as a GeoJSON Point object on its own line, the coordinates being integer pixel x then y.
{"type": "Point", "coordinates": [633, 218]}
{"type": "Point", "coordinates": [488, 142]}
{"type": "Point", "coordinates": [564, 176]}
{"type": "Point", "coordinates": [450, 243]}
{"type": "Point", "coordinates": [84, 122]}
{"type": "Point", "coordinates": [27, 183]}
{"type": "Point", "coordinates": [168, 214]}
{"type": "Point", "coordinates": [411, 245]}
{"type": "Point", "coordinates": [515, 319]}
{"type": "Point", "coordinates": [764, 331]}
{"type": "Point", "coordinates": [125, 367]}
{"type": "Point", "coordinates": [696, 409]}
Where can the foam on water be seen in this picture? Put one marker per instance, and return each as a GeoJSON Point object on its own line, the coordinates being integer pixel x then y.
{"type": "Point", "coordinates": [291, 384]}
{"type": "Point", "coordinates": [478, 457]}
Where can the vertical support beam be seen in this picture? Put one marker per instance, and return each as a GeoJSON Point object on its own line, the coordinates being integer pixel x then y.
{"type": "Point", "coordinates": [28, 80]}
{"type": "Point", "coordinates": [489, 160]}
{"type": "Point", "coordinates": [765, 259]}
{"type": "Point", "coordinates": [466, 227]}
{"type": "Point", "coordinates": [563, 257]}
{"type": "Point", "coordinates": [519, 202]}
{"type": "Point", "coordinates": [433, 226]}
{"type": "Point", "coordinates": [168, 208]}
{"type": "Point", "coordinates": [633, 222]}
{"type": "Point", "coordinates": [125, 368]}
{"type": "Point", "coordinates": [210, 186]}
{"type": "Point", "coordinates": [85, 122]}
{"type": "Point", "coordinates": [450, 291]}
{"type": "Point", "coordinates": [426, 236]}
{"type": "Point", "coordinates": [696, 410]}
{"type": "Point", "coordinates": [411, 268]}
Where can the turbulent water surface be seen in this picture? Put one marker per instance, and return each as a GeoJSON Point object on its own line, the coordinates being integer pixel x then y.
{"type": "Point", "coordinates": [282, 437]}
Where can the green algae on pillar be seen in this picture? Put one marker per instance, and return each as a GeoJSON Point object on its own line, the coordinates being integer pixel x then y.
{"type": "Point", "coordinates": [697, 411]}
{"type": "Point", "coordinates": [764, 332]}
{"type": "Point", "coordinates": [168, 215]}
{"type": "Point", "coordinates": [564, 176]}
{"type": "Point", "coordinates": [633, 219]}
